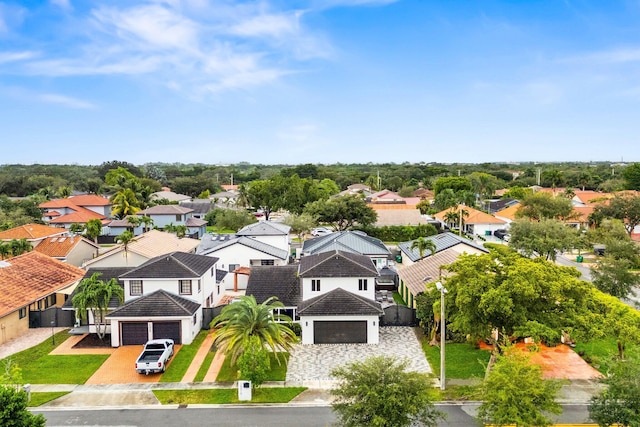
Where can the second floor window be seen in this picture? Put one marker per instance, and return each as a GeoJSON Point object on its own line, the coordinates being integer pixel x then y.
{"type": "Point", "coordinates": [135, 287]}
{"type": "Point", "coordinates": [315, 285]}
{"type": "Point", "coordinates": [267, 262]}
{"type": "Point", "coordinates": [362, 284]}
{"type": "Point", "coordinates": [185, 287]}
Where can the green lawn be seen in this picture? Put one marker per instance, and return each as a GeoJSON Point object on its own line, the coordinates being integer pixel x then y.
{"type": "Point", "coordinates": [218, 230]}
{"type": "Point", "coordinates": [397, 298]}
{"type": "Point", "coordinates": [38, 367]}
{"type": "Point", "coordinates": [278, 372]}
{"type": "Point", "coordinates": [206, 364]}
{"type": "Point", "coordinates": [462, 360]}
{"type": "Point", "coordinates": [602, 353]}
{"type": "Point", "coordinates": [182, 360]}
{"type": "Point", "coordinates": [227, 395]}
{"type": "Point", "coordinates": [41, 398]}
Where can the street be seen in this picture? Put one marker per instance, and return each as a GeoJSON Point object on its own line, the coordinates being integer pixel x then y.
{"type": "Point", "coordinates": [458, 415]}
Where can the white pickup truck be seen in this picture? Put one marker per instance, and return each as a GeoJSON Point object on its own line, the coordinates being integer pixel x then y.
{"type": "Point", "coordinates": [155, 356]}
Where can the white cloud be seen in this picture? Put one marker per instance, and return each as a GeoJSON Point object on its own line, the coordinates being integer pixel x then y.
{"type": "Point", "coordinates": [324, 4]}
{"type": "Point", "coordinates": [62, 4]}
{"type": "Point", "coordinates": [6, 57]}
{"type": "Point", "coordinates": [281, 25]}
{"type": "Point", "coordinates": [66, 101]}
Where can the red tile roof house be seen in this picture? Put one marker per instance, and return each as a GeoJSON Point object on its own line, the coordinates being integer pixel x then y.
{"type": "Point", "coordinates": [28, 283]}
{"type": "Point", "coordinates": [476, 223]}
{"type": "Point", "coordinates": [74, 250]}
{"type": "Point", "coordinates": [76, 209]}
{"type": "Point", "coordinates": [33, 233]}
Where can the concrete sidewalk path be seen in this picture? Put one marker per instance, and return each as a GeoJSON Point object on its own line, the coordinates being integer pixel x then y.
{"type": "Point", "coordinates": [198, 359]}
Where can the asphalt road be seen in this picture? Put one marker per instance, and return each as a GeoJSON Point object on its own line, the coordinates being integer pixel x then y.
{"type": "Point", "coordinates": [458, 415]}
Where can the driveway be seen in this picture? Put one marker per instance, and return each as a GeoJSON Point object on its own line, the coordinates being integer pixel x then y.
{"type": "Point", "coordinates": [311, 364]}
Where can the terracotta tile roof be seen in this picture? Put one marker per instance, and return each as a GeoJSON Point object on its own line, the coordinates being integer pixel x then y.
{"type": "Point", "coordinates": [59, 247]}
{"type": "Point", "coordinates": [81, 215]}
{"type": "Point", "coordinates": [475, 216]}
{"type": "Point", "coordinates": [509, 213]}
{"type": "Point", "coordinates": [32, 276]}
{"type": "Point", "coordinates": [31, 232]}
{"type": "Point", "coordinates": [90, 200]}
{"type": "Point", "coordinates": [590, 198]}
{"type": "Point", "coordinates": [583, 213]}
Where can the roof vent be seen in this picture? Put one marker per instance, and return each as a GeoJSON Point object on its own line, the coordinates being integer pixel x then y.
{"type": "Point", "coordinates": [4, 264]}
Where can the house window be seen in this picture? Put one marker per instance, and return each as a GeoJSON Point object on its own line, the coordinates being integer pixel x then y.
{"type": "Point", "coordinates": [39, 304]}
{"type": "Point", "coordinates": [199, 286]}
{"type": "Point", "coordinates": [315, 285]}
{"type": "Point", "coordinates": [185, 287]}
{"type": "Point", "coordinates": [266, 262]}
{"type": "Point", "coordinates": [135, 287]}
{"type": "Point", "coordinates": [52, 299]}
{"type": "Point", "coordinates": [362, 284]}
{"type": "Point", "coordinates": [195, 318]}
{"type": "Point", "coordinates": [233, 267]}
{"type": "Point", "coordinates": [212, 271]}
{"type": "Point", "coordinates": [22, 313]}
{"type": "Point", "coordinates": [178, 217]}
{"type": "Point", "coordinates": [218, 289]}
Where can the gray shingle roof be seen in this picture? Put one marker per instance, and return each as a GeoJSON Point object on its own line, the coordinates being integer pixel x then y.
{"type": "Point", "coordinates": [347, 241]}
{"type": "Point", "coordinates": [279, 281]}
{"type": "Point", "coordinates": [195, 222]}
{"type": "Point", "coordinates": [265, 228]}
{"type": "Point", "coordinates": [443, 241]}
{"type": "Point", "coordinates": [157, 304]}
{"type": "Point", "coordinates": [176, 265]}
{"type": "Point", "coordinates": [220, 274]}
{"type": "Point", "coordinates": [106, 274]}
{"type": "Point", "coordinates": [209, 245]}
{"type": "Point", "coordinates": [337, 264]}
{"type": "Point", "coordinates": [199, 207]}
{"type": "Point", "coordinates": [339, 302]}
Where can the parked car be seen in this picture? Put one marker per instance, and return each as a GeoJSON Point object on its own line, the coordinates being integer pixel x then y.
{"type": "Point", "coordinates": [321, 231]}
{"type": "Point", "coordinates": [155, 356]}
{"type": "Point", "coordinates": [502, 234]}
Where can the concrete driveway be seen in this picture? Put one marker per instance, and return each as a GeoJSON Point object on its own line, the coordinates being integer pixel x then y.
{"type": "Point", "coordinates": [311, 364]}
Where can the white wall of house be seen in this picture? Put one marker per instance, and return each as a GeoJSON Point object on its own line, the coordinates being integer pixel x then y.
{"type": "Point", "coordinates": [102, 210]}
{"type": "Point", "coordinates": [231, 257]}
{"type": "Point", "coordinates": [82, 252]}
{"type": "Point", "coordinates": [280, 241]}
{"type": "Point", "coordinates": [481, 229]}
{"type": "Point", "coordinates": [373, 326]}
{"type": "Point", "coordinates": [162, 221]}
{"type": "Point", "coordinates": [188, 329]}
{"type": "Point", "coordinates": [118, 259]}
{"type": "Point", "coordinates": [328, 284]}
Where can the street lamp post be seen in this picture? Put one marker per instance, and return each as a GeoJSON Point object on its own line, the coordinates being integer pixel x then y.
{"type": "Point", "coordinates": [443, 291]}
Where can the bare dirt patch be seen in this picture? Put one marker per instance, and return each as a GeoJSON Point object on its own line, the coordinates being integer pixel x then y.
{"type": "Point", "coordinates": [92, 341]}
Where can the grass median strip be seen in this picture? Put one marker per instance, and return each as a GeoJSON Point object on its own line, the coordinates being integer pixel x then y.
{"type": "Point", "coordinates": [463, 360]}
{"type": "Point", "coordinates": [206, 364]}
{"type": "Point", "coordinates": [227, 395]}
{"type": "Point", "coordinates": [39, 367]}
{"type": "Point", "coordinates": [40, 398]}
{"type": "Point", "coordinates": [182, 360]}
{"type": "Point", "coordinates": [277, 372]}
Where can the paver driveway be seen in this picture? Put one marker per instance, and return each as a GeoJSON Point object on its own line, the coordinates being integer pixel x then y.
{"type": "Point", "coordinates": [309, 362]}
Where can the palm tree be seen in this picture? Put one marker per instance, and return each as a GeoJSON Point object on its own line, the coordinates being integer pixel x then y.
{"type": "Point", "coordinates": [94, 229]}
{"type": "Point", "coordinates": [451, 218]}
{"type": "Point", "coordinates": [124, 239]}
{"type": "Point", "coordinates": [94, 295]}
{"type": "Point", "coordinates": [125, 203]}
{"type": "Point", "coordinates": [5, 250]}
{"type": "Point", "coordinates": [134, 221]}
{"type": "Point", "coordinates": [147, 222]}
{"type": "Point", "coordinates": [422, 244]}
{"type": "Point", "coordinates": [18, 247]}
{"type": "Point", "coordinates": [246, 318]}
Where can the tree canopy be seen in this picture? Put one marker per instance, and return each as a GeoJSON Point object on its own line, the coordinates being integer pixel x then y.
{"type": "Point", "coordinates": [94, 295]}
{"type": "Point", "coordinates": [619, 402]}
{"type": "Point", "coordinates": [543, 238]}
{"type": "Point", "coordinates": [538, 206]}
{"type": "Point", "coordinates": [342, 212]}
{"type": "Point", "coordinates": [625, 208]}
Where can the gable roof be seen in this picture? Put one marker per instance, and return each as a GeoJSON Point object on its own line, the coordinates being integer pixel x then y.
{"type": "Point", "coordinates": [199, 207]}
{"type": "Point", "coordinates": [427, 270]}
{"type": "Point", "coordinates": [165, 210]}
{"type": "Point", "coordinates": [176, 265]}
{"type": "Point", "coordinates": [475, 216]}
{"type": "Point", "coordinates": [347, 241]}
{"type": "Point", "coordinates": [170, 196]}
{"type": "Point", "coordinates": [31, 232]}
{"type": "Point", "coordinates": [442, 241]}
{"type": "Point", "coordinates": [157, 304]}
{"type": "Point", "coordinates": [80, 215]}
{"type": "Point", "coordinates": [280, 281]}
{"type": "Point", "coordinates": [32, 276]}
{"type": "Point", "coordinates": [208, 245]}
{"type": "Point", "coordinates": [90, 200]}
{"type": "Point", "coordinates": [590, 198]}
{"type": "Point", "coordinates": [336, 264]}
{"type": "Point", "coordinates": [339, 302]}
{"type": "Point", "coordinates": [509, 213]}
{"type": "Point", "coordinates": [106, 274]}
{"type": "Point", "coordinates": [264, 228]}
{"type": "Point", "coordinates": [152, 244]}
{"type": "Point", "coordinates": [60, 247]}
{"type": "Point", "coordinates": [399, 217]}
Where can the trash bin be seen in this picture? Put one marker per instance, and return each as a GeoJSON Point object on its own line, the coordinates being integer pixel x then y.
{"type": "Point", "coordinates": [244, 390]}
{"type": "Point", "coordinates": [579, 258]}
{"type": "Point", "coordinates": [399, 258]}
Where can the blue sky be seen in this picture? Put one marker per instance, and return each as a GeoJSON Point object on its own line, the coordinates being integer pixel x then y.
{"type": "Point", "coordinates": [320, 81]}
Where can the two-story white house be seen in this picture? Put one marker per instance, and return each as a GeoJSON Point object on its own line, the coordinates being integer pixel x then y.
{"type": "Point", "coordinates": [164, 298]}
{"type": "Point", "coordinates": [164, 215]}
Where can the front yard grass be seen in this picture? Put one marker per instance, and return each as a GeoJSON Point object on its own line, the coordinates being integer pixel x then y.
{"type": "Point", "coordinates": [206, 364]}
{"type": "Point", "coordinates": [602, 353]}
{"type": "Point", "coordinates": [38, 367]}
{"type": "Point", "coordinates": [277, 372]}
{"type": "Point", "coordinates": [182, 360]}
{"type": "Point", "coordinates": [227, 395]}
{"type": "Point", "coordinates": [40, 398]}
{"type": "Point", "coordinates": [397, 298]}
{"type": "Point", "coordinates": [462, 360]}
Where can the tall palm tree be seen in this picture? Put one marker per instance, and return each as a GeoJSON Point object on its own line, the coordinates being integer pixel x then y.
{"type": "Point", "coordinates": [147, 222]}
{"type": "Point", "coordinates": [94, 295]}
{"type": "Point", "coordinates": [18, 247]}
{"type": "Point", "coordinates": [5, 250]}
{"type": "Point", "coordinates": [94, 229]}
{"type": "Point", "coordinates": [134, 221]}
{"type": "Point", "coordinates": [124, 239]}
{"type": "Point", "coordinates": [125, 203]}
{"type": "Point", "coordinates": [246, 318]}
{"type": "Point", "coordinates": [422, 245]}
{"type": "Point", "coordinates": [451, 218]}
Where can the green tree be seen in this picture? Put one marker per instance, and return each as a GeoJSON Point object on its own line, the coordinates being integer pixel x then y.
{"type": "Point", "coordinates": [624, 208]}
{"type": "Point", "coordinates": [124, 203]}
{"type": "Point", "coordinates": [147, 223]}
{"type": "Point", "coordinates": [380, 392]}
{"type": "Point", "coordinates": [455, 183]}
{"type": "Point", "coordinates": [342, 212]}
{"type": "Point", "coordinates": [518, 193]}
{"type": "Point", "coordinates": [515, 393]}
{"type": "Point", "coordinates": [13, 409]}
{"type": "Point", "coordinates": [631, 175]}
{"type": "Point", "coordinates": [124, 239]}
{"type": "Point", "coordinates": [230, 219]}
{"type": "Point", "coordinates": [619, 402]}
{"type": "Point", "coordinates": [483, 184]}
{"type": "Point", "coordinates": [93, 295]}
{"type": "Point", "coordinates": [94, 229]}
{"type": "Point", "coordinates": [542, 238]}
{"type": "Point", "coordinates": [300, 224]}
{"type": "Point", "coordinates": [538, 206]}
{"type": "Point", "coordinates": [422, 245]}
{"type": "Point", "coordinates": [76, 228]}
{"type": "Point", "coordinates": [614, 277]}
{"type": "Point", "coordinates": [245, 318]}
{"type": "Point", "coordinates": [254, 362]}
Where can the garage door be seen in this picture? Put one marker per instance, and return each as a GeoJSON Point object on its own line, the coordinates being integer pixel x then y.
{"type": "Point", "coordinates": [134, 333]}
{"type": "Point", "coordinates": [339, 332]}
{"type": "Point", "coordinates": [167, 330]}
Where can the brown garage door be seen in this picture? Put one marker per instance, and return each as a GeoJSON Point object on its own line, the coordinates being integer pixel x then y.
{"type": "Point", "coordinates": [134, 333]}
{"type": "Point", "coordinates": [339, 332]}
{"type": "Point", "coordinates": [167, 330]}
